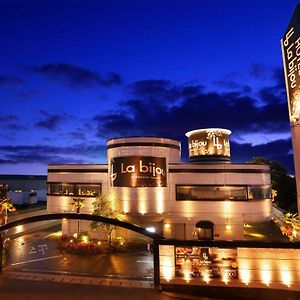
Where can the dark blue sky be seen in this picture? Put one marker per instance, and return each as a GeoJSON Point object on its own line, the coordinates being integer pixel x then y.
{"type": "Point", "coordinates": [76, 73]}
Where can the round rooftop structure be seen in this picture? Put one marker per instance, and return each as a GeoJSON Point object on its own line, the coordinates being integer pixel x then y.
{"type": "Point", "coordinates": [209, 144]}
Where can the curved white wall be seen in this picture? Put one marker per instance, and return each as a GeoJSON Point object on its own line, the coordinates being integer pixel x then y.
{"type": "Point", "coordinates": [143, 200]}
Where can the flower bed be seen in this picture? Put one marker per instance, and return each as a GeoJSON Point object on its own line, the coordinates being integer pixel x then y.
{"type": "Point", "coordinates": [83, 245]}
{"type": "Point", "coordinates": [77, 246]}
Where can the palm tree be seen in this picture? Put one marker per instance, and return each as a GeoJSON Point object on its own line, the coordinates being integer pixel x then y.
{"type": "Point", "coordinates": [5, 207]}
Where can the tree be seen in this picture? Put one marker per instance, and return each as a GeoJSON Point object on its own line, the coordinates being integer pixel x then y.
{"type": "Point", "coordinates": [5, 207]}
{"type": "Point", "coordinates": [283, 184]}
{"type": "Point", "coordinates": [103, 207]}
{"type": "Point", "coordinates": [291, 226]}
{"type": "Point", "coordinates": [77, 204]}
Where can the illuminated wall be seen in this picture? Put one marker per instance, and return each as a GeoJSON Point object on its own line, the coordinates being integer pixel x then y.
{"type": "Point", "coordinates": [273, 268]}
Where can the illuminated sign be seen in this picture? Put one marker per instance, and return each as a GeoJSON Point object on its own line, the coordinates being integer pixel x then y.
{"type": "Point", "coordinates": [206, 263]}
{"type": "Point", "coordinates": [209, 144]}
{"type": "Point", "coordinates": [138, 171]}
{"type": "Point", "coordinates": [290, 45]}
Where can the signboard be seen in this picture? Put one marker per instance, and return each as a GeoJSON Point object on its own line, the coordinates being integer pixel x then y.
{"type": "Point", "coordinates": [138, 171]}
{"type": "Point", "coordinates": [290, 45]}
{"type": "Point", "coordinates": [209, 144]}
{"type": "Point", "coordinates": [206, 262]}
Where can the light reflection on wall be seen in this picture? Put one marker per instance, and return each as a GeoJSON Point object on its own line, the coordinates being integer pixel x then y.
{"type": "Point", "coordinates": [159, 201]}
{"type": "Point", "coordinates": [125, 200]}
{"type": "Point", "coordinates": [113, 200]}
{"type": "Point", "coordinates": [245, 274]}
{"type": "Point", "coordinates": [267, 208]}
{"type": "Point", "coordinates": [65, 203]}
{"type": "Point", "coordinates": [286, 277]}
{"type": "Point", "coordinates": [167, 262]}
{"type": "Point", "coordinates": [186, 210]}
{"type": "Point", "coordinates": [266, 275]}
{"type": "Point", "coordinates": [206, 276]}
{"type": "Point", "coordinates": [225, 277]}
{"type": "Point", "coordinates": [142, 197]}
{"type": "Point", "coordinates": [142, 207]}
{"type": "Point", "coordinates": [186, 267]}
{"type": "Point", "coordinates": [227, 209]}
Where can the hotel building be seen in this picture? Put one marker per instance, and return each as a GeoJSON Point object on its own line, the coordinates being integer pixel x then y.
{"type": "Point", "coordinates": [206, 198]}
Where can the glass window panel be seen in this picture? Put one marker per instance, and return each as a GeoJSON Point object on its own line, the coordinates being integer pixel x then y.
{"type": "Point", "coordinates": [259, 192]}
{"type": "Point", "coordinates": [88, 189]}
{"type": "Point", "coordinates": [61, 189]}
{"type": "Point", "coordinates": [211, 192]}
{"type": "Point", "coordinates": [74, 189]}
{"type": "Point", "coordinates": [67, 189]}
{"type": "Point", "coordinates": [54, 188]}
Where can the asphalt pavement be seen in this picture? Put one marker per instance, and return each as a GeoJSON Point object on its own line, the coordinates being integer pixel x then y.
{"type": "Point", "coordinates": [37, 252]}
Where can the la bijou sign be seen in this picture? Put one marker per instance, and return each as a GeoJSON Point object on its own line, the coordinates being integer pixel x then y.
{"type": "Point", "coordinates": [291, 58]}
{"type": "Point", "coordinates": [138, 171]}
{"type": "Point", "coordinates": [209, 143]}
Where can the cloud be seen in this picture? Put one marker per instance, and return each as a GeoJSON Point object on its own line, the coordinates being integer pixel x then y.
{"type": "Point", "coordinates": [278, 76]}
{"type": "Point", "coordinates": [44, 154]}
{"type": "Point", "coordinates": [11, 123]}
{"type": "Point", "coordinates": [157, 90]}
{"type": "Point", "coordinates": [258, 71]}
{"type": "Point", "coordinates": [16, 127]}
{"type": "Point", "coordinates": [75, 76]}
{"type": "Point", "coordinates": [77, 135]}
{"type": "Point", "coordinates": [10, 80]}
{"type": "Point", "coordinates": [232, 82]}
{"type": "Point", "coordinates": [153, 116]}
{"type": "Point", "coordinates": [50, 122]}
{"type": "Point", "coordinates": [8, 118]}
{"type": "Point", "coordinates": [30, 94]}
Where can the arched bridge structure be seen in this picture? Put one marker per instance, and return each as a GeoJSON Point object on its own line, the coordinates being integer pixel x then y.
{"type": "Point", "coordinates": [74, 216]}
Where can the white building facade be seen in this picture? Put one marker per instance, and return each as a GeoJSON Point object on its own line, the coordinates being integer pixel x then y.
{"type": "Point", "coordinates": [206, 198]}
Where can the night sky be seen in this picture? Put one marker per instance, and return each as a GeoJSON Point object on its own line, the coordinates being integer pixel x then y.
{"type": "Point", "coordinates": [76, 73]}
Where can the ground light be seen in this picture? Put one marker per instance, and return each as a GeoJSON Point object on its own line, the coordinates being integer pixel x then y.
{"type": "Point", "coordinates": [151, 229]}
{"type": "Point", "coordinates": [228, 227]}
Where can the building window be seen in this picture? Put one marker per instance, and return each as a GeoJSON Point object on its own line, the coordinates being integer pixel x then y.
{"type": "Point", "coordinates": [61, 189]}
{"type": "Point", "coordinates": [88, 189]}
{"type": "Point", "coordinates": [228, 192]}
{"type": "Point", "coordinates": [210, 192]}
{"type": "Point", "coordinates": [74, 189]}
{"type": "Point", "coordinates": [259, 192]}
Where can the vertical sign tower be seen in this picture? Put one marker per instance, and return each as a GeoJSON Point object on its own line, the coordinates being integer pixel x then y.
{"type": "Point", "coordinates": [290, 45]}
